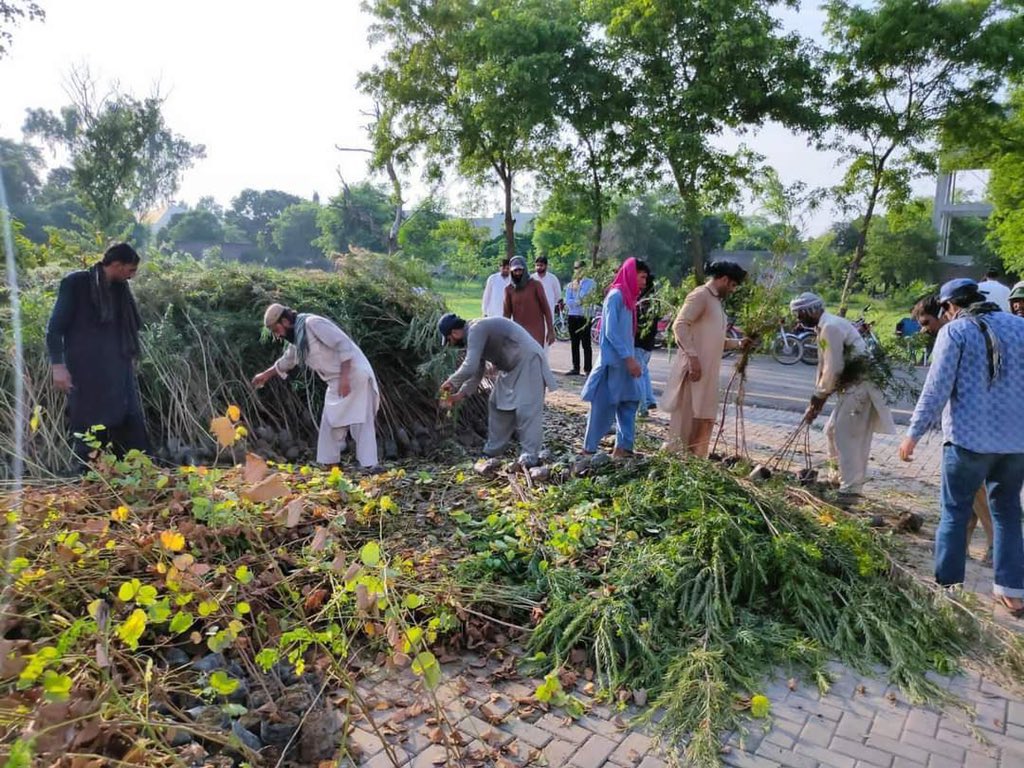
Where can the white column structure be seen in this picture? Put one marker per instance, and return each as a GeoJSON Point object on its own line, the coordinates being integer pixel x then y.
{"type": "Point", "coordinates": [946, 210]}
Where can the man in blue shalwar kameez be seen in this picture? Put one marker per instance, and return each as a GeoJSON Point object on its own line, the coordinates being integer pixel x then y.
{"type": "Point", "coordinates": [613, 387]}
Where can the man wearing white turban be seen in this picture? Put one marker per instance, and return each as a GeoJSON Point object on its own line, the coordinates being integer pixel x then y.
{"type": "Point", "coordinates": [350, 406]}
{"type": "Point", "coordinates": [860, 409]}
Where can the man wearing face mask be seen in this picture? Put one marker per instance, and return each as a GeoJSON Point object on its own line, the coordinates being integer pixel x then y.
{"type": "Point", "coordinates": [975, 381]}
{"type": "Point", "coordinates": [352, 399]}
{"type": "Point", "coordinates": [526, 303]}
{"type": "Point", "coordinates": [516, 405]}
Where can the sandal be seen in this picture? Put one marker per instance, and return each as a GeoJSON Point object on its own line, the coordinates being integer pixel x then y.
{"type": "Point", "coordinates": [1016, 611]}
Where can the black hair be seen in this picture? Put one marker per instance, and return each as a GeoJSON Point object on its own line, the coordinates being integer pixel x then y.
{"type": "Point", "coordinates": [641, 266]}
{"type": "Point", "coordinates": [506, 262]}
{"type": "Point", "coordinates": [288, 314]}
{"type": "Point", "coordinates": [121, 253]}
{"type": "Point", "coordinates": [967, 296]}
{"type": "Point", "coordinates": [729, 269]}
{"type": "Point", "coordinates": [992, 273]}
{"type": "Point", "coordinates": [927, 305]}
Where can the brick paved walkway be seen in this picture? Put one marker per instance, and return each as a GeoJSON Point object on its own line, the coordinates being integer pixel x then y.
{"type": "Point", "coordinates": [487, 719]}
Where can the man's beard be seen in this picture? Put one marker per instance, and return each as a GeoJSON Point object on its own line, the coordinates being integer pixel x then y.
{"type": "Point", "coordinates": [289, 335]}
{"type": "Point", "coordinates": [521, 281]}
{"type": "Point", "coordinates": [459, 342]}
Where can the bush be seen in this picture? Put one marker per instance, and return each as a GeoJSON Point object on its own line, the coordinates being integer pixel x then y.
{"type": "Point", "coordinates": [202, 343]}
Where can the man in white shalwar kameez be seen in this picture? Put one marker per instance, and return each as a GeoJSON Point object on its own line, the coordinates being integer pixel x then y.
{"type": "Point", "coordinates": [860, 408]}
{"type": "Point", "coordinates": [516, 405]}
{"type": "Point", "coordinates": [352, 399]}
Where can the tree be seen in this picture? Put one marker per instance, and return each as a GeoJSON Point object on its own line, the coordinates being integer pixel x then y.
{"type": "Point", "coordinates": [563, 231]}
{"type": "Point", "coordinates": [903, 71]}
{"type": "Point", "coordinates": [295, 233]}
{"type": "Point", "coordinates": [193, 226]}
{"type": "Point", "coordinates": [754, 233]}
{"type": "Point", "coordinates": [474, 83]}
{"type": "Point", "coordinates": [695, 68]}
{"type": "Point", "coordinates": [20, 164]}
{"type": "Point", "coordinates": [418, 236]}
{"type": "Point", "coordinates": [465, 248]}
{"type": "Point", "coordinates": [11, 13]}
{"type": "Point", "coordinates": [360, 216]}
{"type": "Point", "coordinates": [252, 212]}
{"type": "Point", "coordinates": [124, 158]}
{"type": "Point", "coordinates": [901, 248]}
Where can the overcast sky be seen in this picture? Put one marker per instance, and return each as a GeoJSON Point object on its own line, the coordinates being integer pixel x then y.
{"type": "Point", "coordinates": [268, 87]}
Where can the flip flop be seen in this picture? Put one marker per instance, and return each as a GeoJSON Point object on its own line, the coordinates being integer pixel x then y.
{"type": "Point", "coordinates": [1016, 612]}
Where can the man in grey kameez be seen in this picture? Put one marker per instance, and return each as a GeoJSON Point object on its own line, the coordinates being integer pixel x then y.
{"type": "Point", "coordinates": [517, 396]}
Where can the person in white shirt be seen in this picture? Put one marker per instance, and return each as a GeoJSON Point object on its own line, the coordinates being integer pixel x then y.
{"type": "Point", "coordinates": [352, 398]}
{"type": "Point", "coordinates": [995, 291]}
{"type": "Point", "coordinates": [552, 288]}
{"type": "Point", "coordinates": [493, 303]}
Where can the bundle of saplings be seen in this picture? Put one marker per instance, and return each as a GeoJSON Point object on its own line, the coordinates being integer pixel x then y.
{"type": "Point", "coordinates": [202, 342]}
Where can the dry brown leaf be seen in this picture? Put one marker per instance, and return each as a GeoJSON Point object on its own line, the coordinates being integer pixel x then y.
{"type": "Point", "coordinates": [223, 430]}
{"type": "Point", "coordinates": [640, 696]}
{"type": "Point", "coordinates": [255, 469]}
{"type": "Point", "coordinates": [791, 683]}
{"type": "Point", "coordinates": [436, 735]}
{"type": "Point", "coordinates": [294, 510]}
{"type": "Point", "coordinates": [315, 600]}
{"type": "Point", "coordinates": [272, 487]}
{"type": "Point", "coordinates": [319, 539]}
{"type": "Point", "coordinates": [338, 563]}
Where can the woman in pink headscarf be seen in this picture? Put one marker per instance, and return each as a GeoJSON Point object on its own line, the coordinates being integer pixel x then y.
{"type": "Point", "coordinates": [613, 387]}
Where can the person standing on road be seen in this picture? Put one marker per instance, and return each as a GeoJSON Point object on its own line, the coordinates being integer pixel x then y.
{"type": "Point", "coordinates": [691, 393]}
{"type": "Point", "coordinates": [613, 387]}
{"type": "Point", "coordinates": [579, 318]}
{"type": "Point", "coordinates": [552, 288]}
{"type": "Point", "coordinates": [646, 331]}
{"type": "Point", "coordinates": [928, 312]}
{"type": "Point", "coordinates": [493, 302]}
{"type": "Point", "coordinates": [526, 303]}
{"type": "Point", "coordinates": [351, 400]}
{"type": "Point", "coordinates": [976, 382]}
{"type": "Point", "coordinates": [1017, 299]}
{"type": "Point", "coordinates": [994, 291]}
{"type": "Point", "coordinates": [860, 409]}
{"type": "Point", "coordinates": [516, 405]}
{"type": "Point", "coordinates": [92, 340]}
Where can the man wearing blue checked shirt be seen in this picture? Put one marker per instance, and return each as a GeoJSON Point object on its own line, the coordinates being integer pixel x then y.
{"type": "Point", "coordinates": [976, 381]}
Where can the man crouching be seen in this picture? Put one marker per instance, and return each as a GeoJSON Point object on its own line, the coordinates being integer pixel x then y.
{"type": "Point", "coordinates": [350, 406]}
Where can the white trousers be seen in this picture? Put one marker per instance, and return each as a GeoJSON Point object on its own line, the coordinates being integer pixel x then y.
{"type": "Point", "coordinates": [848, 432]}
{"type": "Point", "coordinates": [333, 440]}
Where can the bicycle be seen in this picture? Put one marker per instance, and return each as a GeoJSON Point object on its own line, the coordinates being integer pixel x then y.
{"type": "Point", "coordinates": [731, 333]}
{"type": "Point", "coordinates": [787, 348]}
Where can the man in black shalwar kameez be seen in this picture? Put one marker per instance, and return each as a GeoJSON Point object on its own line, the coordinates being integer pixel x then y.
{"type": "Point", "coordinates": [93, 343]}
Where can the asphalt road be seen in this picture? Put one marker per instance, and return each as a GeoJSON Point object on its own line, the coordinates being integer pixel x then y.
{"type": "Point", "coordinates": [769, 384]}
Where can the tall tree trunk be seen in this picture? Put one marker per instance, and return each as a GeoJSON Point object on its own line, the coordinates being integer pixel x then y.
{"type": "Point", "coordinates": [862, 240]}
{"type": "Point", "coordinates": [691, 219]}
{"type": "Point", "coordinates": [597, 201]}
{"type": "Point", "coordinates": [396, 189]}
{"type": "Point", "coordinates": [510, 224]}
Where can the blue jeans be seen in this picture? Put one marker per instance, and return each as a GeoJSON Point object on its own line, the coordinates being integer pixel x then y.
{"type": "Point", "coordinates": [646, 388]}
{"type": "Point", "coordinates": [1003, 475]}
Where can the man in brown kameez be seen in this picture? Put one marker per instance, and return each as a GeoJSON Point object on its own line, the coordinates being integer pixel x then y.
{"type": "Point", "coordinates": [691, 394]}
{"type": "Point", "coordinates": [526, 303]}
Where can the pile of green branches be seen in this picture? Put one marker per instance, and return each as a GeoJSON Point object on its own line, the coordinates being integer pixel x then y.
{"type": "Point", "coordinates": [202, 342]}
{"type": "Point", "coordinates": [684, 580]}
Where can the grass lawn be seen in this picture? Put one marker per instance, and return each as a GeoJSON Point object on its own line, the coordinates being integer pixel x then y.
{"type": "Point", "coordinates": [462, 297]}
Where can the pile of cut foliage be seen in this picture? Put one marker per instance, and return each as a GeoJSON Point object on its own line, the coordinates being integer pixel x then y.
{"type": "Point", "coordinates": [146, 604]}
{"type": "Point", "coordinates": [202, 343]}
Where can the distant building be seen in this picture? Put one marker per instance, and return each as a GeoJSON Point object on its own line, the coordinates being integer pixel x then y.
{"type": "Point", "coordinates": [495, 225]}
{"type": "Point", "coordinates": [161, 217]}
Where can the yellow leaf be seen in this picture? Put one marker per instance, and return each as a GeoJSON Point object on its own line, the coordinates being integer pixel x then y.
{"type": "Point", "coordinates": [240, 432]}
{"type": "Point", "coordinates": [234, 412]}
{"type": "Point", "coordinates": [223, 430]}
{"type": "Point", "coordinates": [132, 628]}
{"type": "Point", "coordinates": [172, 541]}
{"type": "Point", "coordinates": [128, 590]}
{"type": "Point", "coordinates": [33, 423]}
{"type": "Point", "coordinates": [120, 514]}
{"type": "Point", "coordinates": [760, 706]}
